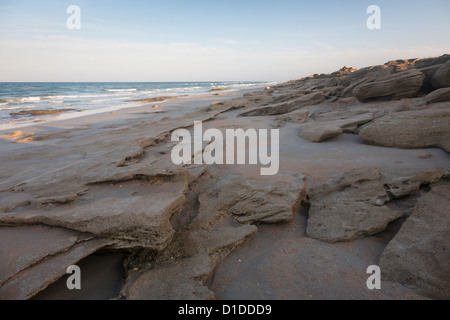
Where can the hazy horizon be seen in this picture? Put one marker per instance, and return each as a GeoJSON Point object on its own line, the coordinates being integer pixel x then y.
{"type": "Point", "coordinates": [202, 41]}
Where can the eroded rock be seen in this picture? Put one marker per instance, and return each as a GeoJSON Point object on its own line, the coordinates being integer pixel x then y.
{"type": "Point", "coordinates": [249, 200]}
{"type": "Point", "coordinates": [410, 129]}
{"type": "Point", "coordinates": [401, 85]}
{"type": "Point", "coordinates": [286, 107]}
{"type": "Point", "coordinates": [418, 255]}
{"type": "Point", "coordinates": [441, 78]}
{"type": "Point", "coordinates": [440, 95]}
{"type": "Point", "coordinates": [354, 205]}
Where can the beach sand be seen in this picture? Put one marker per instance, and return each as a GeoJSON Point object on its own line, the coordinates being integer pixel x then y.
{"type": "Point", "coordinates": [105, 183]}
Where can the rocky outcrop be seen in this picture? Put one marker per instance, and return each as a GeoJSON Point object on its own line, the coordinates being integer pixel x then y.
{"type": "Point", "coordinates": [353, 205]}
{"type": "Point", "coordinates": [410, 129]}
{"type": "Point", "coordinates": [298, 116]}
{"type": "Point", "coordinates": [406, 84]}
{"type": "Point", "coordinates": [131, 212]}
{"type": "Point", "coordinates": [440, 95]}
{"type": "Point", "coordinates": [286, 107]}
{"type": "Point", "coordinates": [321, 130]}
{"type": "Point", "coordinates": [248, 200]}
{"type": "Point", "coordinates": [418, 255]}
{"type": "Point", "coordinates": [349, 207]}
{"type": "Point", "coordinates": [441, 78]}
{"type": "Point", "coordinates": [33, 257]}
{"type": "Point", "coordinates": [181, 271]}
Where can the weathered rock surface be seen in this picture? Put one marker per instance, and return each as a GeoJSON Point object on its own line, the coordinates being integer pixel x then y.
{"type": "Point", "coordinates": [402, 85]}
{"type": "Point", "coordinates": [418, 256]}
{"type": "Point", "coordinates": [286, 107]}
{"type": "Point", "coordinates": [349, 207]}
{"type": "Point", "coordinates": [298, 116]}
{"type": "Point", "coordinates": [440, 95]}
{"type": "Point", "coordinates": [441, 78]}
{"type": "Point", "coordinates": [321, 130]}
{"type": "Point", "coordinates": [354, 205]}
{"type": "Point", "coordinates": [410, 129]}
{"type": "Point", "coordinates": [249, 200]}
{"type": "Point", "coordinates": [196, 253]}
{"type": "Point", "coordinates": [70, 190]}
{"type": "Point", "coordinates": [33, 257]}
{"type": "Point", "coordinates": [134, 212]}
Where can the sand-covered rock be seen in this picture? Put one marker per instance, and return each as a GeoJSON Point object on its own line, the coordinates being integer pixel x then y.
{"type": "Point", "coordinates": [418, 256]}
{"type": "Point", "coordinates": [270, 200]}
{"type": "Point", "coordinates": [354, 205]}
{"type": "Point", "coordinates": [182, 270]}
{"type": "Point", "coordinates": [33, 257]}
{"type": "Point", "coordinates": [321, 130]}
{"type": "Point", "coordinates": [349, 207]}
{"type": "Point", "coordinates": [406, 84]}
{"type": "Point", "coordinates": [410, 129]}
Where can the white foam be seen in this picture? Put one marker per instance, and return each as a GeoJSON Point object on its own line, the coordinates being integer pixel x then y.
{"type": "Point", "coordinates": [120, 90]}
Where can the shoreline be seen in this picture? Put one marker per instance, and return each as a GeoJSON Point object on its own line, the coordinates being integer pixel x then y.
{"type": "Point", "coordinates": [359, 175]}
{"type": "Point", "coordinates": [127, 105]}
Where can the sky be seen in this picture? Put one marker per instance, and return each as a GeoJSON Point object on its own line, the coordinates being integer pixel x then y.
{"type": "Point", "coordinates": [233, 40]}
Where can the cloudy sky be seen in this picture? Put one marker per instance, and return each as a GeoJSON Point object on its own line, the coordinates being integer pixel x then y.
{"type": "Point", "coordinates": [212, 40]}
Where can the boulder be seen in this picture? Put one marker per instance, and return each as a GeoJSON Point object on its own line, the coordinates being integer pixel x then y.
{"type": "Point", "coordinates": [440, 95]}
{"type": "Point", "coordinates": [441, 78]}
{"type": "Point", "coordinates": [418, 256]}
{"type": "Point", "coordinates": [349, 207]}
{"type": "Point", "coordinates": [410, 129]}
{"type": "Point", "coordinates": [353, 205]}
{"type": "Point", "coordinates": [429, 62]}
{"type": "Point", "coordinates": [400, 85]}
{"type": "Point", "coordinates": [321, 130]}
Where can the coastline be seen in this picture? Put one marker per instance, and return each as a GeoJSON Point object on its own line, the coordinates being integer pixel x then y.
{"type": "Point", "coordinates": [72, 188]}
{"type": "Point", "coordinates": [74, 111]}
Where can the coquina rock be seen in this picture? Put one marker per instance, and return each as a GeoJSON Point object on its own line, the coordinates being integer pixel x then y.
{"type": "Point", "coordinates": [285, 107]}
{"type": "Point", "coordinates": [353, 205]}
{"type": "Point", "coordinates": [440, 95]}
{"type": "Point", "coordinates": [400, 85]}
{"type": "Point", "coordinates": [418, 256]}
{"type": "Point", "coordinates": [410, 129]}
{"type": "Point", "coordinates": [441, 79]}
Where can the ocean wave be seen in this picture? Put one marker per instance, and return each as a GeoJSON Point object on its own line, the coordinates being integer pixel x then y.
{"type": "Point", "coordinates": [120, 90]}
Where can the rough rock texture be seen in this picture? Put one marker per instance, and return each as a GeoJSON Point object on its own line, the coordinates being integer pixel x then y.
{"type": "Point", "coordinates": [318, 131]}
{"type": "Point", "coordinates": [441, 78]}
{"type": "Point", "coordinates": [197, 253]}
{"type": "Point", "coordinates": [440, 95]}
{"type": "Point", "coordinates": [33, 257]}
{"type": "Point", "coordinates": [414, 129]}
{"type": "Point", "coordinates": [71, 188]}
{"type": "Point", "coordinates": [406, 84]}
{"type": "Point", "coordinates": [418, 256]}
{"type": "Point", "coordinates": [354, 205]}
{"type": "Point", "coordinates": [286, 107]}
{"type": "Point", "coordinates": [298, 116]}
{"type": "Point", "coordinates": [249, 200]}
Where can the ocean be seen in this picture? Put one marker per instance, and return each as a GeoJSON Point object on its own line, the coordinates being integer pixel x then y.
{"type": "Point", "coordinates": [17, 99]}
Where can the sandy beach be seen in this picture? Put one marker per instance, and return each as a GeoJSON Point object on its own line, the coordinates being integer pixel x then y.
{"type": "Point", "coordinates": [363, 180]}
